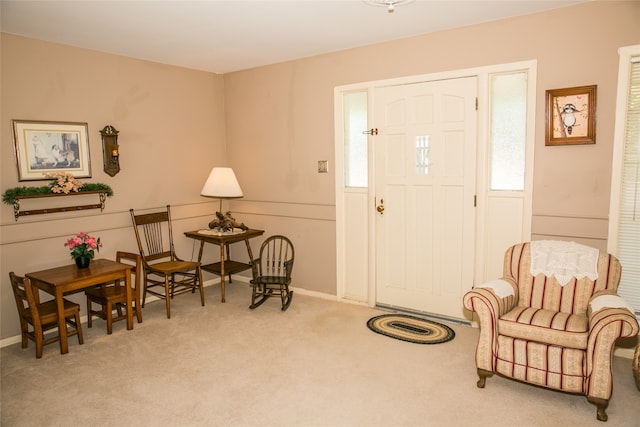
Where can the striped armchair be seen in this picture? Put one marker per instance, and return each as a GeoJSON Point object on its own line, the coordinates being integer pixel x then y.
{"type": "Point", "coordinates": [552, 320]}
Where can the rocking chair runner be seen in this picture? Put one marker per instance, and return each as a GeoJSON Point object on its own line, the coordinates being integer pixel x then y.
{"type": "Point", "coordinates": [272, 272]}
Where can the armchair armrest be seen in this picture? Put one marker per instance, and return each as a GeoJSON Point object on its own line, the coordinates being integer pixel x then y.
{"type": "Point", "coordinates": [610, 318]}
{"type": "Point", "coordinates": [499, 297]}
{"type": "Point", "coordinates": [501, 287]}
{"type": "Point", "coordinates": [606, 309]}
{"type": "Point", "coordinates": [602, 300]}
{"type": "Point", "coordinates": [486, 301]}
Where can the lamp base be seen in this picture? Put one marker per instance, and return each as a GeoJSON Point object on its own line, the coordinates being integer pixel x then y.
{"type": "Point", "coordinates": [226, 223]}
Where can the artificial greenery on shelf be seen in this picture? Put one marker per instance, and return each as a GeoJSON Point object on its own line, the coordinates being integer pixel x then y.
{"type": "Point", "coordinates": [62, 183]}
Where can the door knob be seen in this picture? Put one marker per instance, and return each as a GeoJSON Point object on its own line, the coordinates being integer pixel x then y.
{"type": "Point", "coordinates": [380, 207]}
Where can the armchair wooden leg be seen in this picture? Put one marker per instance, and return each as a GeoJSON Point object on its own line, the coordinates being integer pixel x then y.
{"type": "Point", "coordinates": [483, 375]}
{"type": "Point", "coordinates": [602, 407]}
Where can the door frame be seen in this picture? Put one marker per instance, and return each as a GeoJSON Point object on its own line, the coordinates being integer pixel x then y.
{"type": "Point", "coordinates": [482, 271]}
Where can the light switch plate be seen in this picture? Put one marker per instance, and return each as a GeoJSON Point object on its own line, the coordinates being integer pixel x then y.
{"type": "Point", "coordinates": [323, 166]}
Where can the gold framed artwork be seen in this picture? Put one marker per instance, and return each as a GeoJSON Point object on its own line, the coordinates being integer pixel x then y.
{"type": "Point", "coordinates": [46, 147]}
{"type": "Point", "coordinates": [571, 116]}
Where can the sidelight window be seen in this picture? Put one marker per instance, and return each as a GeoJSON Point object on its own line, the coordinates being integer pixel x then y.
{"type": "Point", "coordinates": [355, 145]}
{"type": "Point", "coordinates": [508, 131]}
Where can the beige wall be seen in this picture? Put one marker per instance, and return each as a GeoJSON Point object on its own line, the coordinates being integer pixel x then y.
{"type": "Point", "coordinates": [171, 123]}
{"type": "Point", "coordinates": [574, 46]}
{"type": "Point", "coordinates": [278, 122]}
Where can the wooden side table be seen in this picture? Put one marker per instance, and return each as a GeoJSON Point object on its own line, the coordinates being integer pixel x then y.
{"type": "Point", "coordinates": [226, 265]}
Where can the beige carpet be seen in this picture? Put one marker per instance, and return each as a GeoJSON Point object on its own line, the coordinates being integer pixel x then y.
{"type": "Point", "coordinates": [315, 365]}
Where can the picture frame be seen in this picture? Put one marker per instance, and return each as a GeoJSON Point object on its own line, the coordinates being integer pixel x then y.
{"type": "Point", "coordinates": [571, 116]}
{"type": "Point", "coordinates": [44, 147]}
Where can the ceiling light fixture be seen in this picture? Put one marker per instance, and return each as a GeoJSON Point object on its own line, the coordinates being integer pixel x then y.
{"type": "Point", "coordinates": [389, 4]}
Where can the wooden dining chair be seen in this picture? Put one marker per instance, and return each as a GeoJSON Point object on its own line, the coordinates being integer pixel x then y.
{"type": "Point", "coordinates": [110, 296]}
{"type": "Point", "coordinates": [165, 274]}
{"type": "Point", "coordinates": [41, 316]}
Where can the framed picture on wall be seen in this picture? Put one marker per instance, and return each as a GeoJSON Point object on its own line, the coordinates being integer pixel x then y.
{"type": "Point", "coordinates": [571, 116]}
{"type": "Point", "coordinates": [45, 147]}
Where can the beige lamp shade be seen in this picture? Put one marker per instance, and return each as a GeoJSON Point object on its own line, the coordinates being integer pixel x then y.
{"type": "Point", "coordinates": [222, 184]}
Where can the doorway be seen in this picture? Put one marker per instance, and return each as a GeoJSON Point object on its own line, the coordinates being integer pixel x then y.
{"type": "Point", "coordinates": [425, 161]}
{"type": "Point", "coordinates": [449, 207]}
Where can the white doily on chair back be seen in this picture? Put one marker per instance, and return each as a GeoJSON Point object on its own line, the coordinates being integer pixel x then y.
{"type": "Point", "coordinates": [564, 260]}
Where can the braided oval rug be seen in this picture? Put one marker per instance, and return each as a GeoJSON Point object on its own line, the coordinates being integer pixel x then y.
{"type": "Point", "coordinates": [411, 329]}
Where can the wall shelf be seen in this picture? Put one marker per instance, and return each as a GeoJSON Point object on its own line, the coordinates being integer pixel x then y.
{"type": "Point", "coordinates": [17, 213]}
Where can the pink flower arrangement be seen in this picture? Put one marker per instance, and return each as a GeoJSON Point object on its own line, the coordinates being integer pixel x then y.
{"type": "Point", "coordinates": [83, 245]}
{"type": "Point", "coordinates": [63, 182]}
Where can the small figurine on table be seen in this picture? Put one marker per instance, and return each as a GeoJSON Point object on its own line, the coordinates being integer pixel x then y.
{"type": "Point", "coordinates": [226, 223]}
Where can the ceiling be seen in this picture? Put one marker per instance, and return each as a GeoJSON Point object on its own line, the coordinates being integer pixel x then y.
{"type": "Point", "coordinates": [222, 36]}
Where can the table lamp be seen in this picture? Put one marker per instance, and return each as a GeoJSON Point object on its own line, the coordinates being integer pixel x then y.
{"type": "Point", "coordinates": [222, 184]}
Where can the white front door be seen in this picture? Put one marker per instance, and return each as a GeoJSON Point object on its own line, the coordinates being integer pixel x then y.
{"type": "Point", "coordinates": [425, 171]}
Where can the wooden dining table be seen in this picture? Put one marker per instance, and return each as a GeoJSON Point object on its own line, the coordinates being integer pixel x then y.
{"type": "Point", "coordinates": [69, 278]}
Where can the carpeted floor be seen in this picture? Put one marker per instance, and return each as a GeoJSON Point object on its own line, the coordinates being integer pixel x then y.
{"type": "Point", "coordinates": [316, 364]}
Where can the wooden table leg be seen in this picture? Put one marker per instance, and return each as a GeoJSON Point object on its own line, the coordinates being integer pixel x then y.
{"type": "Point", "coordinates": [222, 271]}
{"type": "Point", "coordinates": [249, 251]}
{"type": "Point", "coordinates": [226, 245]}
{"type": "Point", "coordinates": [129, 292]}
{"type": "Point", "coordinates": [62, 323]}
{"type": "Point", "coordinates": [200, 252]}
